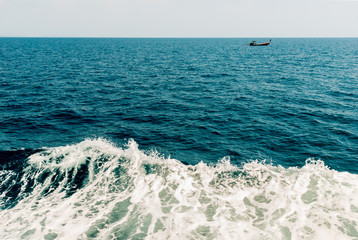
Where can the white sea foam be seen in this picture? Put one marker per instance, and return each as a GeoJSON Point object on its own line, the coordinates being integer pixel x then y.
{"type": "Point", "coordinates": [94, 190]}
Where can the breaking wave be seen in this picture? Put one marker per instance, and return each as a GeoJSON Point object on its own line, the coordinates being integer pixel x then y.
{"type": "Point", "coordinates": [95, 190]}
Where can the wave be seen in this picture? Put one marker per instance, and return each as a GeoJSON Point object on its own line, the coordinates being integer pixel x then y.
{"type": "Point", "coordinates": [95, 190]}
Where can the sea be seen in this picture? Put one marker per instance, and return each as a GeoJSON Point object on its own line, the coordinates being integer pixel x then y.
{"type": "Point", "coordinates": [178, 138]}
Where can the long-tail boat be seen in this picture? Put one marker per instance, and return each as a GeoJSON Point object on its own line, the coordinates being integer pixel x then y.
{"type": "Point", "coordinates": [253, 43]}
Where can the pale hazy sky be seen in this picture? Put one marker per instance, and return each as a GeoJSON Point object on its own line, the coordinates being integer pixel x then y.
{"type": "Point", "coordinates": [179, 18]}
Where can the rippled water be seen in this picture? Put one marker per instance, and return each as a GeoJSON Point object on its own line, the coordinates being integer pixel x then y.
{"type": "Point", "coordinates": [195, 99]}
{"type": "Point", "coordinates": [216, 105]}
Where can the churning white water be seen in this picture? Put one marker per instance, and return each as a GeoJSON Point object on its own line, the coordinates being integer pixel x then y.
{"type": "Point", "coordinates": [95, 190]}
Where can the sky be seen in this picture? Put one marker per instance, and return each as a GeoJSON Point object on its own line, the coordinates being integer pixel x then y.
{"type": "Point", "coordinates": [179, 18]}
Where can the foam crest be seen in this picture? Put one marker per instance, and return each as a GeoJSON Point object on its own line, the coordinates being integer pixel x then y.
{"type": "Point", "coordinates": [95, 190]}
{"type": "Point", "coordinates": [72, 156]}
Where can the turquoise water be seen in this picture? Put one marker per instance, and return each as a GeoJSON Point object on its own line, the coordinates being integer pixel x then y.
{"type": "Point", "coordinates": [178, 139]}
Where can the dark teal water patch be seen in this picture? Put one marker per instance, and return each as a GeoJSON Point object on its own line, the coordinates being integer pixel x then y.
{"type": "Point", "coordinates": [193, 99]}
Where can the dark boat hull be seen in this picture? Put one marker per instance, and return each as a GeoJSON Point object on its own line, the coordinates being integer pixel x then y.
{"type": "Point", "coordinates": [261, 44]}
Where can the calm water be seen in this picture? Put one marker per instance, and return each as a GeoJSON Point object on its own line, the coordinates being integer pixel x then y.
{"type": "Point", "coordinates": [94, 127]}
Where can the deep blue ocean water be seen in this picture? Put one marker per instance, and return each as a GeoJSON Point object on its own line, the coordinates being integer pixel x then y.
{"type": "Point", "coordinates": [187, 99]}
{"type": "Point", "coordinates": [195, 99]}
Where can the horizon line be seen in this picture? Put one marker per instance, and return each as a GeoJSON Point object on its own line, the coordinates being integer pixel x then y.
{"type": "Point", "coordinates": [177, 37]}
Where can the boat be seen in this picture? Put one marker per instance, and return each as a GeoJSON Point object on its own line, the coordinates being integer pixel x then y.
{"type": "Point", "coordinates": [253, 43]}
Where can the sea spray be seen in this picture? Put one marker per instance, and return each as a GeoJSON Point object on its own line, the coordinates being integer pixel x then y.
{"type": "Point", "coordinates": [95, 190]}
